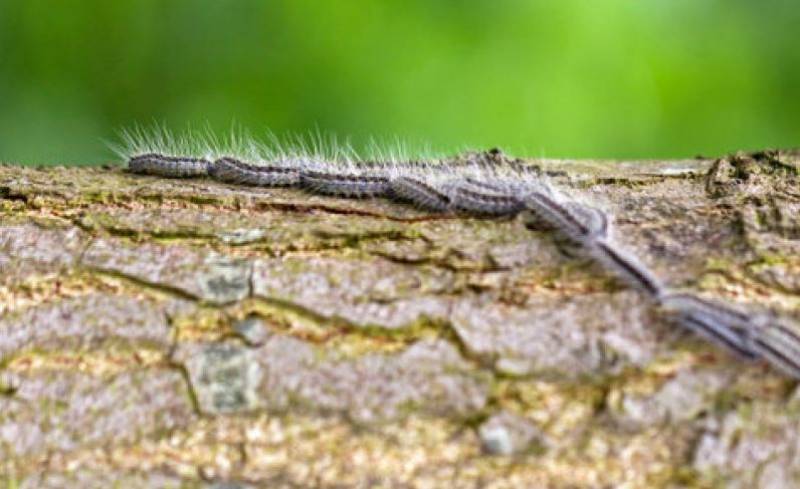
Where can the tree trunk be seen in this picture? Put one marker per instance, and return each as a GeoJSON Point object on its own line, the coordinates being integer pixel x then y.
{"type": "Point", "coordinates": [163, 332]}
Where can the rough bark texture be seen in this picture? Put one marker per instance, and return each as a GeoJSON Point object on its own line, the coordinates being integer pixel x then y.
{"type": "Point", "coordinates": [168, 333]}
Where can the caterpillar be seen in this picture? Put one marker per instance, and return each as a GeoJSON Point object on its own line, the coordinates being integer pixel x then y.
{"type": "Point", "coordinates": [169, 166]}
{"type": "Point", "coordinates": [488, 187]}
{"type": "Point", "coordinates": [625, 266]}
{"type": "Point", "coordinates": [749, 334]}
{"type": "Point", "coordinates": [231, 170]}
{"type": "Point", "coordinates": [344, 185]}
{"type": "Point", "coordinates": [713, 321]}
{"type": "Point", "coordinates": [419, 193]}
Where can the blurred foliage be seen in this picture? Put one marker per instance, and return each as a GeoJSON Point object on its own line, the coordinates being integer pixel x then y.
{"type": "Point", "coordinates": [560, 78]}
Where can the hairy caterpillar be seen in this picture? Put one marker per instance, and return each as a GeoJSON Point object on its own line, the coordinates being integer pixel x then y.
{"type": "Point", "coordinates": [751, 335]}
{"type": "Point", "coordinates": [424, 196]}
{"type": "Point", "coordinates": [712, 321]}
{"type": "Point", "coordinates": [231, 170]}
{"type": "Point", "coordinates": [626, 267]}
{"type": "Point", "coordinates": [491, 187]}
{"type": "Point", "coordinates": [169, 166]}
{"type": "Point", "coordinates": [344, 185]}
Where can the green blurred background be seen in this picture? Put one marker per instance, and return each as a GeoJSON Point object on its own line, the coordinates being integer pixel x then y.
{"type": "Point", "coordinates": [565, 78]}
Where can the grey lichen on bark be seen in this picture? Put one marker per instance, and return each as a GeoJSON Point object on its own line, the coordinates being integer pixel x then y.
{"type": "Point", "coordinates": [163, 332]}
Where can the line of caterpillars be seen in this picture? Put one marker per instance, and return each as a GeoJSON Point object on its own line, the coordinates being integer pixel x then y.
{"type": "Point", "coordinates": [505, 189]}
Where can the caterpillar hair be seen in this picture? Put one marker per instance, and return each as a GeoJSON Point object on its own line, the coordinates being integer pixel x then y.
{"type": "Point", "coordinates": [481, 184]}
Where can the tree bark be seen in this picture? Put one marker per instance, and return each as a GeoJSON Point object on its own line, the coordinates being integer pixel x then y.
{"type": "Point", "coordinates": [163, 332]}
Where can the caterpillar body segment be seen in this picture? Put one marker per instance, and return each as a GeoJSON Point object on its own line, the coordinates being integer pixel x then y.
{"type": "Point", "coordinates": [680, 303]}
{"type": "Point", "coordinates": [231, 170]}
{"type": "Point", "coordinates": [707, 327]}
{"type": "Point", "coordinates": [777, 341]}
{"type": "Point", "coordinates": [168, 166]}
{"type": "Point", "coordinates": [715, 322]}
{"type": "Point", "coordinates": [596, 220]}
{"type": "Point", "coordinates": [420, 194]}
{"type": "Point", "coordinates": [474, 201]}
{"type": "Point", "coordinates": [349, 186]}
{"type": "Point", "coordinates": [558, 216]}
{"type": "Point", "coordinates": [751, 335]}
{"type": "Point", "coordinates": [627, 267]}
